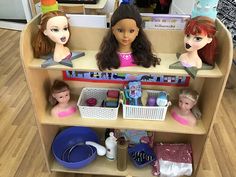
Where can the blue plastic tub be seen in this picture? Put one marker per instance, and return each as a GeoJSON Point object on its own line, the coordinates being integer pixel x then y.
{"type": "Point", "coordinates": [69, 149]}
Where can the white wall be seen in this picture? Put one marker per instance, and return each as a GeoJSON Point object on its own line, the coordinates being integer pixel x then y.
{"type": "Point", "coordinates": [11, 9]}
{"type": "Point", "coordinates": [14, 9]}
{"type": "Point", "coordinates": [182, 6]}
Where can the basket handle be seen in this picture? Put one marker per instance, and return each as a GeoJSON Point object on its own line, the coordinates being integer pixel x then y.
{"type": "Point", "coordinates": [122, 99]}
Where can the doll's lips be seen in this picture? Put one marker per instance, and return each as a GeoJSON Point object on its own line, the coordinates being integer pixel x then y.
{"type": "Point", "coordinates": [63, 39]}
{"type": "Point", "coordinates": [187, 46]}
{"type": "Point", "coordinates": [125, 41]}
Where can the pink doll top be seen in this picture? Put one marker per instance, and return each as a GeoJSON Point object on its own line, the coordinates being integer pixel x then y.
{"type": "Point", "coordinates": [68, 112]}
{"type": "Point", "coordinates": [179, 119]}
{"type": "Point", "coordinates": [126, 59]}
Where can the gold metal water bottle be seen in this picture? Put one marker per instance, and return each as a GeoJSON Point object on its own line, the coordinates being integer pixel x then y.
{"type": "Point", "coordinates": [122, 154]}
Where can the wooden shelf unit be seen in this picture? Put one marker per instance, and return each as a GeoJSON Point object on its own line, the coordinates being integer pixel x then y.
{"type": "Point", "coordinates": [210, 84]}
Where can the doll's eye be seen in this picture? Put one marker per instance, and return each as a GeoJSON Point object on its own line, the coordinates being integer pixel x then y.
{"type": "Point", "coordinates": [187, 36]}
{"type": "Point", "coordinates": [119, 30]}
{"type": "Point", "coordinates": [65, 29]}
{"type": "Point", "coordinates": [198, 39]}
{"type": "Point", "coordinates": [131, 31]}
{"type": "Point", "coordinates": [54, 30]}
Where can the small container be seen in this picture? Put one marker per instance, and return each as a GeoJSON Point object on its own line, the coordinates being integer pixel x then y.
{"type": "Point", "coordinates": [162, 99]}
{"type": "Point", "coordinates": [141, 155]}
{"type": "Point", "coordinates": [151, 101]}
{"type": "Point", "coordinates": [111, 146]}
{"type": "Point", "coordinates": [122, 153]}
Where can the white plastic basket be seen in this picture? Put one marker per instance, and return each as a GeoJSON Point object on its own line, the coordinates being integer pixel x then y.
{"type": "Point", "coordinates": [145, 112]}
{"type": "Point", "coordinates": [96, 112]}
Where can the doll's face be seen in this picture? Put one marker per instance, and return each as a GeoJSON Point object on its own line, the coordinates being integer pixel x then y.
{"type": "Point", "coordinates": [125, 32]}
{"type": "Point", "coordinates": [195, 42]}
{"type": "Point", "coordinates": [185, 104]}
{"type": "Point", "coordinates": [62, 97]}
{"type": "Point", "coordinates": [57, 29]}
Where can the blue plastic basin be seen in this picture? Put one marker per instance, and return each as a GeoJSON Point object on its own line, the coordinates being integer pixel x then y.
{"type": "Point", "coordinates": [80, 155]}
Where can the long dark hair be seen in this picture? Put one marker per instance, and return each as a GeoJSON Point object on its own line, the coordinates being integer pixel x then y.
{"type": "Point", "coordinates": [107, 57]}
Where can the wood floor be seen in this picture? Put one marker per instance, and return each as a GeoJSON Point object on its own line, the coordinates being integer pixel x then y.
{"type": "Point", "coordinates": [20, 149]}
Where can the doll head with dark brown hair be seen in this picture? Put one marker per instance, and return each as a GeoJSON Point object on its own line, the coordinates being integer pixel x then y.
{"type": "Point", "coordinates": [53, 34]}
{"type": "Point", "coordinates": [125, 44]}
{"type": "Point", "coordinates": [199, 42]}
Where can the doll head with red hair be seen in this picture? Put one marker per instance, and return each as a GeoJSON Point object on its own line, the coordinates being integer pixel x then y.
{"type": "Point", "coordinates": [199, 42]}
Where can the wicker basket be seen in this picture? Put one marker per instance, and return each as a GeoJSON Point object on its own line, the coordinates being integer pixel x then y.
{"type": "Point", "coordinates": [96, 111]}
{"type": "Point", "coordinates": [145, 112]}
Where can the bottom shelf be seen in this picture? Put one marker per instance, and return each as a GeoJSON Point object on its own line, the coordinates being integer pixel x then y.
{"type": "Point", "coordinates": [102, 166]}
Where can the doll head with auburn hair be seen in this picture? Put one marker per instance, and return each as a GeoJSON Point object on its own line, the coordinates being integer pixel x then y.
{"type": "Point", "coordinates": [53, 34]}
{"type": "Point", "coordinates": [199, 42]}
{"type": "Point", "coordinates": [186, 111]}
{"type": "Point", "coordinates": [60, 100]}
{"type": "Point", "coordinates": [125, 44]}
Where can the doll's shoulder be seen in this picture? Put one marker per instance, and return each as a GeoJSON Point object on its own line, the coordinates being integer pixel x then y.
{"type": "Point", "coordinates": [55, 111]}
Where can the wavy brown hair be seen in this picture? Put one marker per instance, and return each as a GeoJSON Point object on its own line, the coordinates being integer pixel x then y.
{"type": "Point", "coordinates": [42, 45]}
{"type": "Point", "coordinates": [107, 57]}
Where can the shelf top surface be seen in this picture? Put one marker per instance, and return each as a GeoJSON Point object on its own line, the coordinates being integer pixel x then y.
{"type": "Point", "coordinates": [88, 63]}
{"type": "Point", "coordinates": [168, 125]}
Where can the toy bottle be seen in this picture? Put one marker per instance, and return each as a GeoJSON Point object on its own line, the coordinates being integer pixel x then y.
{"type": "Point", "coordinates": [111, 146]}
{"type": "Point", "coordinates": [122, 154]}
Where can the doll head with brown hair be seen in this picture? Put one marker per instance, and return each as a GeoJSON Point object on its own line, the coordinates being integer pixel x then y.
{"type": "Point", "coordinates": [199, 42]}
{"type": "Point", "coordinates": [125, 44]}
{"type": "Point", "coordinates": [52, 35]}
{"type": "Point", "coordinates": [60, 100]}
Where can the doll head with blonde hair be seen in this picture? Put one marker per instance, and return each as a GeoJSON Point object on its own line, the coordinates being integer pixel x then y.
{"type": "Point", "coordinates": [186, 112]}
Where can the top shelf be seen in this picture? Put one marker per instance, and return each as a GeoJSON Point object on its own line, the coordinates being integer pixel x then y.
{"type": "Point", "coordinates": [88, 63]}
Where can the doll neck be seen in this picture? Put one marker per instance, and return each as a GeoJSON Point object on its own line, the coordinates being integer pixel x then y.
{"type": "Point", "coordinates": [60, 52]}
{"type": "Point", "coordinates": [183, 112]}
{"type": "Point", "coordinates": [124, 49]}
{"type": "Point", "coordinates": [63, 105]}
{"type": "Point", "coordinates": [191, 59]}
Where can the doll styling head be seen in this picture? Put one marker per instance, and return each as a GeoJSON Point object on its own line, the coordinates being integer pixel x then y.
{"type": "Point", "coordinates": [200, 36]}
{"type": "Point", "coordinates": [53, 32]}
{"type": "Point", "coordinates": [187, 111]}
{"type": "Point", "coordinates": [60, 100]}
{"type": "Point", "coordinates": [60, 93]}
{"type": "Point", "coordinates": [187, 99]}
{"type": "Point", "coordinates": [125, 36]}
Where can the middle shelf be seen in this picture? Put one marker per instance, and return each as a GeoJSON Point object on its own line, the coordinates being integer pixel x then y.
{"type": "Point", "coordinates": [168, 125]}
{"type": "Point", "coordinates": [88, 63]}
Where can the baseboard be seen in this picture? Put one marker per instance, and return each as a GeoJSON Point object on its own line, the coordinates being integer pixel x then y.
{"type": "Point", "coordinates": [12, 25]}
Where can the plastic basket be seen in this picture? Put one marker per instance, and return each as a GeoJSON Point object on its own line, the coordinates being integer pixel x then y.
{"type": "Point", "coordinates": [96, 112]}
{"type": "Point", "coordinates": [145, 112]}
{"type": "Point", "coordinates": [143, 161]}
